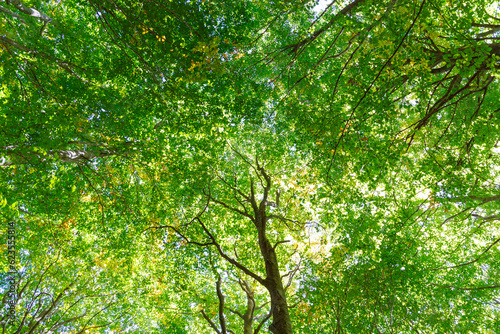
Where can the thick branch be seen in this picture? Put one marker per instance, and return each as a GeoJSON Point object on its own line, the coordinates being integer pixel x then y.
{"type": "Point", "coordinates": [11, 13]}
{"type": "Point", "coordinates": [485, 200]}
{"type": "Point", "coordinates": [486, 25]}
{"type": "Point", "coordinates": [488, 218]}
{"type": "Point", "coordinates": [280, 242]}
{"type": "Point", "coordinates": [13, 157]}
{"type": "Point", "coordinates": [229, 259]}
{"type": "Point", "coordinates": [222, 320]}
{"type": "Point", "coordinates": [7, 41]}
{"type": "Point", "coordinates": [30, 11]}
{"type": "Point", "coordinates": [248, 317]}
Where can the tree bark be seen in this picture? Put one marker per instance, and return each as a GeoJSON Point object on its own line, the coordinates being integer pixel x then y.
{"type": "Point", "coordinates": [13, 156]}
{"type": "Point", "coordinates": [279, 307]}
{"type": "Point", "coordinates": [11, 13]}
{"type": "Point", "coordinates": [281, 323]}
{"type": "Point", "coordinates": [30, 11]}
{"type": "Point", "coordinates": [248, 316]}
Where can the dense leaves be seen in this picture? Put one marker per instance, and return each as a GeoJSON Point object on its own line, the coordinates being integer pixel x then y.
{"type": "Point", "coordinates": [251, 166]}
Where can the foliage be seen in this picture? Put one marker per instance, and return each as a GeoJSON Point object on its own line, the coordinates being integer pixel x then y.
{"type": "Point", "coordinates": [251, 166]}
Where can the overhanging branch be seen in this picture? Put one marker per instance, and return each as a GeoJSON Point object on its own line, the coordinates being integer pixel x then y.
{"type": "Point", "coordinates": [229, 259]}
{"type": "Point", "coordinates": [30, 11]}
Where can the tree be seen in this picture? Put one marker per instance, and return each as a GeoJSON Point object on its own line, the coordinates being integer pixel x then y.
{"type": "Point", "coordinates": [336, 167]}
{"type": "Point", "coordinates": [256, 213]}
{"type": "Point", "coordinates": [62, 292]}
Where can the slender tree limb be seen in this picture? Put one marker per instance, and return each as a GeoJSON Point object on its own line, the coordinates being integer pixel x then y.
{"type": "Point", "coordinates": [95, 315]}
{"type": "Point", "coordinates": [291, 275]}
{"type": "Point", "coordinates": [285, 220]}
{"type": "Point", "coordinates": [263, 321]}
{"type": "Point", "coordinates": [210, 322]}
{"type": "Point", "coordinates": [280, 242]}
{"type": "Point", "coordinates": [451, 217]}
{"type": "Point", "coordinates": [47, 312]}
{"type": "Point", "coordinates": [480, 256]}
{"type": "Point", "coordinates": [468, 288]}
{"type": "Point", "coordinates": [294, 48]}
{"type": "Point", "coordinates": [236, 312]}
{"type": "Point", "coordinates": [229, 259]}
{"type": "Point", "coordinates": [245, 214]}
{"type": "Point", "coordinates": [56, 323]}
{"type": "Point", "coordinates": [371, 85]}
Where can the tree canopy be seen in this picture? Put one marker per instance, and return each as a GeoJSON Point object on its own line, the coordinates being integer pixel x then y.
{"type": "Point", "coordinates": [224, 166]}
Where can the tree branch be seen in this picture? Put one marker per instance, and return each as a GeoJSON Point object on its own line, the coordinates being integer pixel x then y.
{"type": "Point", "coordinates": [11, 13]}
{"type": "Point", "coordinates": [488, 218]}
{"type": "Point", "coordinates": [210, 322]}
{"type": "Point", "coordinates": [30, 11]}
{"type": "Point", "coordinates": [294, 48]}
{"type": "Point", "coordinates": [256, 331]}
{"type": "Point", "coordinates": [280, 242]}
{"type": "Point", "coordinates": [480, 256]}
{"type": "Point", "coordinates": [245, 214]}
{"type": "Point", "coordinates": [229, 259]}
{"type": "Point", "coordinates": [468, 288]}
{"type": "Point", "coordinates": [220, 296]}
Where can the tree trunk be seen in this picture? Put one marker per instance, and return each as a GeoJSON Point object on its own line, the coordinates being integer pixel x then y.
{"type": "Point", "coordinates": [279, 307]}
{"type": "Point", "coordinates": [248, 316]}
